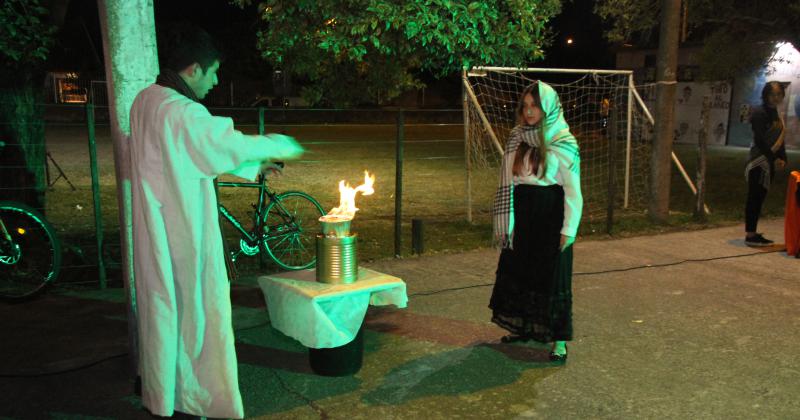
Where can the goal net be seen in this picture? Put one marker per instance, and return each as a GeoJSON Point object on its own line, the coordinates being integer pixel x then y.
{"type": "Point", "coordinates": [611, 127]}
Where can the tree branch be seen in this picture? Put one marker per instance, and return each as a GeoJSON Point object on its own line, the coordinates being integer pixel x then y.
{"type": "Point", "coordinates": [748, 19]}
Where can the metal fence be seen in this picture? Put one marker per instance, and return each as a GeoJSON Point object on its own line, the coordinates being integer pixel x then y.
{"type": "Point", "coordinates": [417, 156]}
{"type": "Point", "coordinates": [64, 182]}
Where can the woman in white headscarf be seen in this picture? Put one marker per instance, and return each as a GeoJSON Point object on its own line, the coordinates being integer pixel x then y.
{"type": "Point", "coordinates": [536, 214]}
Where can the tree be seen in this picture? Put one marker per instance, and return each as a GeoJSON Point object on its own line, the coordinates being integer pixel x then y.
{"type": "Point", "coordinates": [24, 44]}
{"type": "Point", "coordinates": [666, 72]}
{"type": "Point", "coordinates": [370, 51]}
{"type": "Point", "coordinates": [737, 36]}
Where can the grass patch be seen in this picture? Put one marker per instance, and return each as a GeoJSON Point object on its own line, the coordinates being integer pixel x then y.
{"type": "Point", "coordinates": [433, 189]}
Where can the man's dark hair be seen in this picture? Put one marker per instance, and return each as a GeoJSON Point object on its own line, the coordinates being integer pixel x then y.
{"type": "Point", "coordinates": [768, 88]}
{"type": "Point", "coordinates": [183, 44]}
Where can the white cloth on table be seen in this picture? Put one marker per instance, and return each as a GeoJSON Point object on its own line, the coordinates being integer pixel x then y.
{"type": "Point", "coordinates": [321, 315]}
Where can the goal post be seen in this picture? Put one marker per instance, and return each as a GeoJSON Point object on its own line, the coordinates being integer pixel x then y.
{"type": "Point", "coordinates": [674, 157]}
{"type": "Point", "coordinates": [606, 113]}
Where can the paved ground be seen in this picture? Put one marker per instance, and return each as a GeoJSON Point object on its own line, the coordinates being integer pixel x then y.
{"type": "Point", "coordinates": [711, 338]}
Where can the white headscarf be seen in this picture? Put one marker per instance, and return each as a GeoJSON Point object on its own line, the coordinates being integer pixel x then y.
{"type": "Point", "coordinates": [558, 140]}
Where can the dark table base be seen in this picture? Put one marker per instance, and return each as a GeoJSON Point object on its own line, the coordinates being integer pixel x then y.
{"type": "Point", "coordinates": [338, 361]}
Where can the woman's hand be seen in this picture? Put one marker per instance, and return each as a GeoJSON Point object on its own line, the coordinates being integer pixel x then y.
{"type": "Point", "coordinates": [566, 241]}
{"type": "Point", "coordinates": [500, 240]}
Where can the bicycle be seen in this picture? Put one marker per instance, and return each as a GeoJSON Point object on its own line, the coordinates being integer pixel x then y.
{"type": "Point", "coordinates": [284, 226]}
{"type": "Point", "coordinates": [30, 251]}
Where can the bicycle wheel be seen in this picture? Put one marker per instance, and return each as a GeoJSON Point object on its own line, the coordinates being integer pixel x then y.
{"type": "Point", "coordinates": [291, 224]}
{"type": "Point", "coordinates": [33, 258]}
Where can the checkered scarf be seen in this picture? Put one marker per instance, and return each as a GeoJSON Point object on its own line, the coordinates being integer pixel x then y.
{"type": "Point", "coordinates": [503, 210]}
{"type": "Point", "coordinates": [559, 141]}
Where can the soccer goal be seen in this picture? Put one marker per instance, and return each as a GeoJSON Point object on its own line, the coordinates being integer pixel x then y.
{"type": "Point", "coordinates": [605, 112]}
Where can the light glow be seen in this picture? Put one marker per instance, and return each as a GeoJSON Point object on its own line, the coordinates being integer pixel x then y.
{"type": "Point", "coordinates": [21, 231]}
{"type": "Point", "coordinates": [784, 60]}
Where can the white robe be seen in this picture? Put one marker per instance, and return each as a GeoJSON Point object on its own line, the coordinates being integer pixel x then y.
{"type": "Point", "coordinates": [186, 343]}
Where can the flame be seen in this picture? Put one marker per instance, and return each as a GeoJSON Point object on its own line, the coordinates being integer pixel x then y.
{"type": "Point", "coordinates": [347, 199]}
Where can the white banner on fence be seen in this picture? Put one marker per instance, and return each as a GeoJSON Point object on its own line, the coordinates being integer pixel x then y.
{"type": "Point", "coordinates": [689, 104]}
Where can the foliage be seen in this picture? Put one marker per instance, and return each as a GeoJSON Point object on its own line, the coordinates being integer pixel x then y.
{"type": "Point", "coordinates": [23, 132]}
{"type": "Point", "coordinates": [358, 51]}
{"type": "Point", "coordinates": [737, 36]}
{"type": "Point", "coordinates": [25, 38]}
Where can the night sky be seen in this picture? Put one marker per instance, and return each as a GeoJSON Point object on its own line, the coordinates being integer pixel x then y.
{"type": "Point", "coordinates": [589, 48]}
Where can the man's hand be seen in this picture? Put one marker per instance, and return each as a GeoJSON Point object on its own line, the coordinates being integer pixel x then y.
{"type": "Point", "coordinates": [270, 168]}
{"type": "Point", "coordinates": [566, 241]}
{"type": "Point", "coordinates": [285, 147]}
{"type": "Point", "coordinates": [780, 164]}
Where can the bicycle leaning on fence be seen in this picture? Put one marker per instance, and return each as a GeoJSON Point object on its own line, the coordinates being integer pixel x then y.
{"type": "Point", "coordinates": [284, 226]}
{"type": "Point", "coordinates": [30, 251]}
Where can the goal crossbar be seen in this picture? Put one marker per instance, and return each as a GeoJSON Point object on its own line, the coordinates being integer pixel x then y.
{"type": "Point", "coordinates": [617, 83]}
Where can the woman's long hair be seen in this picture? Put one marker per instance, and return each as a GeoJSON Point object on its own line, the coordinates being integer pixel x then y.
{"type": "Point", "coordinates": [538, 158]}
{"type": "Point", "coordinates": [767, 89]}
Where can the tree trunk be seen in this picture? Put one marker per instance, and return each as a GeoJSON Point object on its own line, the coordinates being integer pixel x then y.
{"type": "Point", "coordinates": [131, 62]}
{"type": "Point", "coordinates": [23, 158]}
{"type": "Point", "coordinates": [702, 148]}
{"type": "Point", "coordinates": [666, 69]}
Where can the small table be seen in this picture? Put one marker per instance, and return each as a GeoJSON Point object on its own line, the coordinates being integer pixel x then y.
{"type": "Point", "coordinates": [327, 318]}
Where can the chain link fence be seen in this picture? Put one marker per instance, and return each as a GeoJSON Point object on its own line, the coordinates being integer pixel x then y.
{"type": "Point", "coordinates": [78, 194]}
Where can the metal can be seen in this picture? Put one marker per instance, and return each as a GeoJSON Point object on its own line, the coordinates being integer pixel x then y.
{"type": "Point", "coordinates": [340, 228]}
{"type": "Point", "coordinates": [337, 260]}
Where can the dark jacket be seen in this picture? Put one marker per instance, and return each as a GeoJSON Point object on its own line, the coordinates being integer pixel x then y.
{"type": "Point", "coordinates": [766, 130]}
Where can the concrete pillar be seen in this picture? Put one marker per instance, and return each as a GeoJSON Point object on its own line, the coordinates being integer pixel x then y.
{"type": "Point", "coordinates": [131, 62]}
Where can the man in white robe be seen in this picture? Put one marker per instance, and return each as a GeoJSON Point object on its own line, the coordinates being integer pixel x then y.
{"type": "Point", "coordinates": [186, 342]}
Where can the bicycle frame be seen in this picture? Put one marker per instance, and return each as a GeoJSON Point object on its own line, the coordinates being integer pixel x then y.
{"type": "Point", "coordinates": [277, 225]}
{"type": "Point", "coordinates": [9, 251]}
{"type": "Point", "coordinates": [5, 238]}
{"type": "Point", "coordinates": [3, 232]}
{"type": "Point", "coordinates": [265, 196]}
{"type": "Point", "coordinates": [264, 193]}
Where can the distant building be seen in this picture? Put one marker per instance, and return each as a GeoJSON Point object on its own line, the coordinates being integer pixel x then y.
{"type": "Point", "coordinates": [71, 87]}
{"type": "Point", "coordinates": [785, 68]}
{"type": "Point", "coordinates": [730, 101]}
{"type": "Point", "coordinates": [66, 88]}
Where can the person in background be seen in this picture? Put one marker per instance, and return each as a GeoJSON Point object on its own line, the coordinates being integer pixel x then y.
{"type": "Point", "coordinates": [767, 153]}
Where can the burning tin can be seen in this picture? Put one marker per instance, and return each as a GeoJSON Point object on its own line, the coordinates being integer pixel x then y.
{"type": "Point", "coordinates": [337, 259]}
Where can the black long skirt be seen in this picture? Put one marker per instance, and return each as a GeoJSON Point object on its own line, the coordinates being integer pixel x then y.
{"type": "Point", "coordinates": [532, 294]}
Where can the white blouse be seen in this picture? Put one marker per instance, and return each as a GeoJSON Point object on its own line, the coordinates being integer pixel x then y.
{"type": "Point", "coordinates": [557, 173]}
